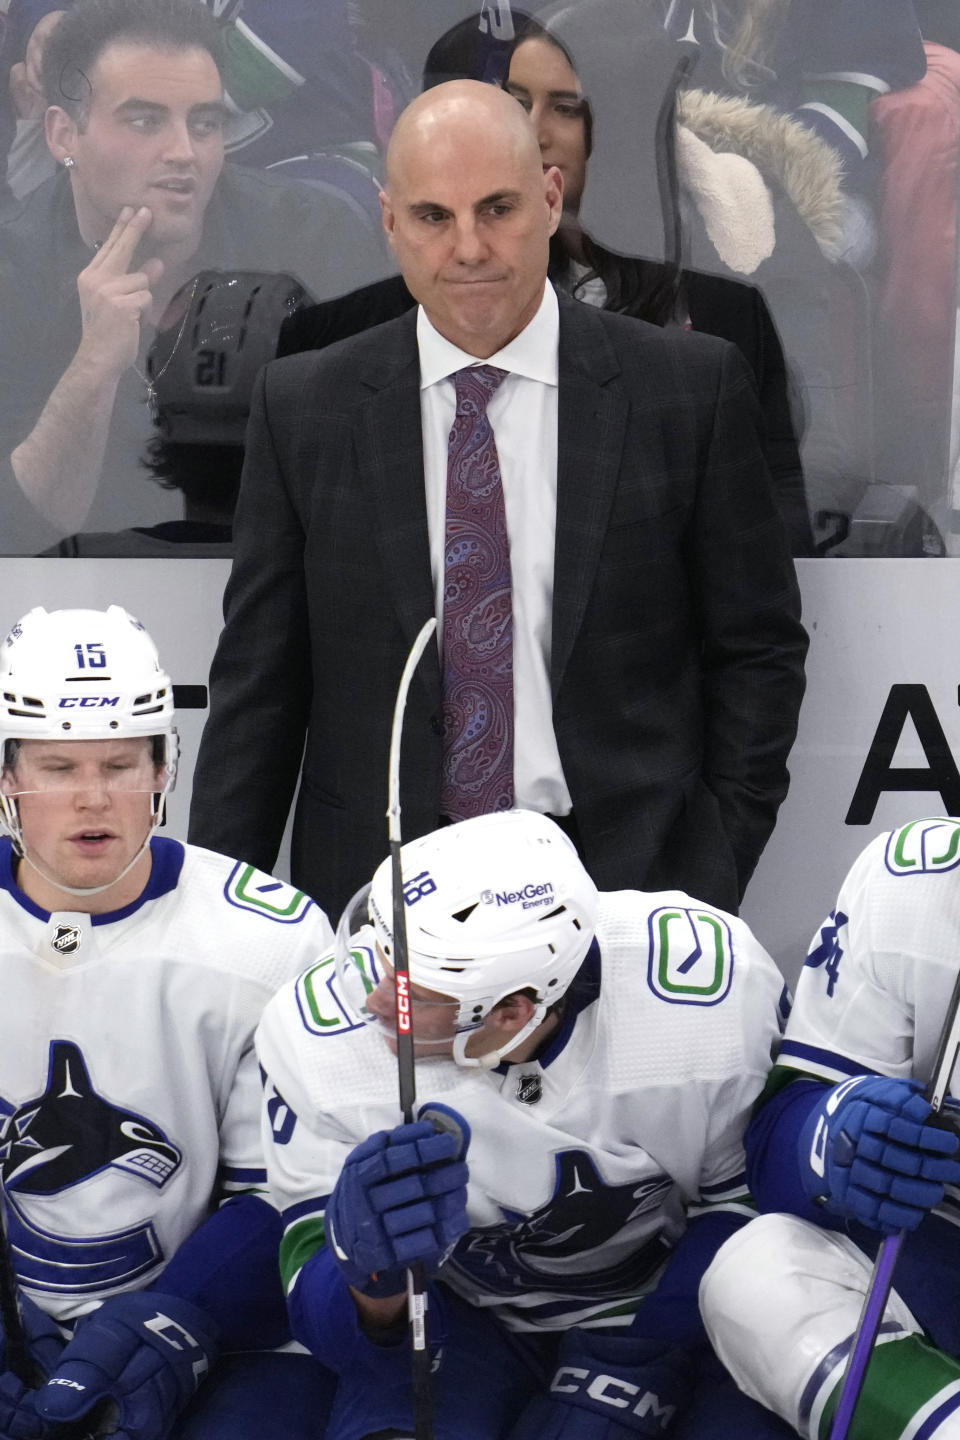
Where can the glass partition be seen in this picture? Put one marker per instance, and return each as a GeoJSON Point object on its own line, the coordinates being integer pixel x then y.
{"type": "Point", "coordinates": [176, 211]}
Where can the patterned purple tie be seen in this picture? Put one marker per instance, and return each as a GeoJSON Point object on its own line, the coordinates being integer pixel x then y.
{"type": "Point", "coordinates": [477, 613]}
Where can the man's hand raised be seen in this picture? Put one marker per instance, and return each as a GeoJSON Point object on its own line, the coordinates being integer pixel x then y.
{"type": "Point", "coordinates": [113, 298]}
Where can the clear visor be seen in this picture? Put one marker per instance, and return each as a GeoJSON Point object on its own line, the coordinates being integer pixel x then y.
{"type": "Point", "coordinates": [357, 970]}
{"type": "Point", "coordinates": [87, 766]}
{"type": "Point", "coordinates": [366, 988]}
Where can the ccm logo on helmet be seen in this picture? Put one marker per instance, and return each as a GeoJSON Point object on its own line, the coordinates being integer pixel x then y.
{"type": "Point", "coordinates": [88, 702]}
{"type": "Point", "coordinates": [609, 1390]}
{"type": "Point", "coordinates": [530, 895]}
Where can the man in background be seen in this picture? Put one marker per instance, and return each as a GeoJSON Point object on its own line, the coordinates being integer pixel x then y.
{"type": "Point", "coordinates": [89, 261]}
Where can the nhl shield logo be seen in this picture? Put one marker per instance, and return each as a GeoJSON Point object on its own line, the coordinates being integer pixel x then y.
{"type": "Point", "coordinates": [529, 1089]}
{"type": "Point", "coordinates": [67, 939]}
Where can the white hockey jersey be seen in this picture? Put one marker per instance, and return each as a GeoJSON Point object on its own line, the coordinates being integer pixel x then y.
{"type": "Point", "coordinates": [877, 980]}
{"type": "Point", "coordinates": [129, 1088]}
{"type": "Point", "coordinates": [583, 1163]}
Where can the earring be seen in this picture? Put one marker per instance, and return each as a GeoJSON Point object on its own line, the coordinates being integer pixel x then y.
{"type": "Point", "coordinates": [68, 162]}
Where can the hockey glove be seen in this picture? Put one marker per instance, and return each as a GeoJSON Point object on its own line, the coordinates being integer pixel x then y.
{"type": "Point", "coordinates": [867, 1154]}
{"type": "Point", "coordinates": [44, 1343]}
{"type": "Point", "coordinates": [18, 1415]}
{"type": "Point", "coordinates": [146, 1352]}
{"type": "Point", "coordinates": [609, 1387]}
{"type": "Point", "coordinates": [401, 1197]}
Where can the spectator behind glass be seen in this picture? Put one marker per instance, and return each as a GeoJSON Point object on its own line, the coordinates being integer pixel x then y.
{"type": "Point", "coordinates": [821, 63]}
{"type": "Point", "coordinates": [216, 334]}
{"type": "Point", "coordinates": [293, 80]}
{"type": "Point", "coordinates": [89, 261]}
{"type": "Point", "coordinates": [916, 135]}
{"type": "Point", "coordinates": [762, 199]}
{"type": "Point", "coordinates": [542, 79]}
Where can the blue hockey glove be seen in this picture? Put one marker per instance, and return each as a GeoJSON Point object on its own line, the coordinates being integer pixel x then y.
{"type": "Point", "coordinates": [401, 1197]}
{"type": "Point", "coordinates": [44, 1343]}
{"type": "Point", "coordinates": [18, 1415]}
{"type": "Point", "coordinates": [866, 1152]}
{"type": "Point", "coordinates": [609, 1387]}
{"type": "Point", "coordinates": [145, 1352]}
{"type": "Point", "coordinates": [44, 1340]}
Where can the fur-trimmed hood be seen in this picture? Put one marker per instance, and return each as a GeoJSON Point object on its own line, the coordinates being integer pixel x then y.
{"type": "Point", "coordinates": [759, 190]}
{"type": "Point", "coordinates": [789, 158]}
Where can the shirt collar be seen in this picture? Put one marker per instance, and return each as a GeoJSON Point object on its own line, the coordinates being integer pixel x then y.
{"type": "Point", "coordinates": [532, 354]}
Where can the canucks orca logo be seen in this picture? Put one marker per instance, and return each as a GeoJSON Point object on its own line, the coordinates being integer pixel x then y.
{"type": "Point", "coordinates": [584, 1213]}
{"type": "Point", "coordinates": [71, 1133]}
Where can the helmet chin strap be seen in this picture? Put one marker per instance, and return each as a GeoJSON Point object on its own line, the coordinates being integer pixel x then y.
{"type": "Point", "coordinates": [492, 1058]}
{"type": "Point", "coordinates": [82, 891]}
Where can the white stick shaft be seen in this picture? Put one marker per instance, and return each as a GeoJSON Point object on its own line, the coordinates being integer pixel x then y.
{"type": "Point", "coordinates": [393, 785]}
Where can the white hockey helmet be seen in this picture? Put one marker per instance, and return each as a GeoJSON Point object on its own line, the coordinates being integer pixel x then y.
{"type": "Point", "coordinates": [84, 675]}
{"type": "Point", "coordinates": [493, 905]}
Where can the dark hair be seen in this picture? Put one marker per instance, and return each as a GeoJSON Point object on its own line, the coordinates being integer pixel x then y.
{"type": "Point", "coordinates": [87, 28]}
{"type": "Point", "coordinates": [213, 339]}
{"type": "Point", "coordinates": [528, 28]}
{"type": "Point", "coordinates": [644, 289]}
{"type": "Point", "coordinates": [467, 52]}
{"type": "Point", "coordinates": [207, 475]}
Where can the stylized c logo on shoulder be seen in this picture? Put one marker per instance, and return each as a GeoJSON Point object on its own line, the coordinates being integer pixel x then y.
{"type": "Point", "coordinates": [690, 955]}
{"type": "Point", "coordinates": [924, 847]}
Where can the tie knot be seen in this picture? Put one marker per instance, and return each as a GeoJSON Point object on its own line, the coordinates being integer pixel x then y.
{"type": "Point", "coordinates": [475, 385]}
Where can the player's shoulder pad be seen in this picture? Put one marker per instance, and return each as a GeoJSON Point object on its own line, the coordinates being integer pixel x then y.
{"type": "Point", "coordinates": [682, 952]}
{"type": "Point", "coordinates": [250, 889]}
{"type": "Point", "coordinates": [691, 978]}
{"type": "Point", "coordinates": [321, 1006]}
{"type": "Point", "coordinates": [322, 1058]}
{"type": "Point", "coordinates": [922, 847]}
{"type": "Point", "coordinates": [691, 952]}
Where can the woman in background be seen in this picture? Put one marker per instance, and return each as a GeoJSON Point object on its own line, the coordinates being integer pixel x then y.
{"type": "Point", "coordinates": [542, 78]}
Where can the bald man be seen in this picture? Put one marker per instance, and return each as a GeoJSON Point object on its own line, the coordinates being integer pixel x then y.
{"type": "Point", "coordinates": [657, 652]}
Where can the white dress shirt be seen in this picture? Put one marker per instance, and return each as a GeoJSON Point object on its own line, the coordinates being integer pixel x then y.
{"type": "Point", "coordinates": [523, 415]}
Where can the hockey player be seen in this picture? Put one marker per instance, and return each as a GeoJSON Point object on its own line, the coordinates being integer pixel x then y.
{"type": "Point", "coordinates": [843, 1145]}
{"type": "Point", "coordinates": [134, 970]}
{"type": "Point", "coordinates": [591, 1060]}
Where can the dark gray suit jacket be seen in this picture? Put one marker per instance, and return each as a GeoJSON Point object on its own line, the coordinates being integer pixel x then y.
{"type": "Point", "coordinates": [677, 656]}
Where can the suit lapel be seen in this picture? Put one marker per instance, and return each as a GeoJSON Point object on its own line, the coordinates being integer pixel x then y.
{"type": "Point", "coordinates": [592, 425]}
{"type": "Point", "coordinates": [389, 442]}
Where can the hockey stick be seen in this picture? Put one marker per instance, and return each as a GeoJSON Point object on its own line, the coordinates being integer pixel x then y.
{"type": "Point", "coordinates": [878, 1291]}
{"type": "Point", "coordinates": [416, 1278]}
